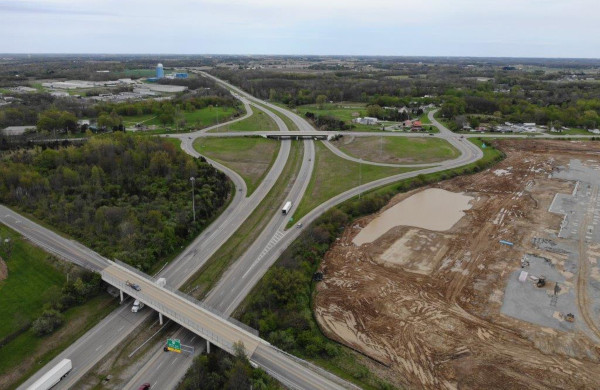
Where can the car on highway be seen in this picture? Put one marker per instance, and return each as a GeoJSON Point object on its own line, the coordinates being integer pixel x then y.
{"type": "Point", "coordinates": [145, 386]}
{"type": "Point", "coordinates": [134, 286]}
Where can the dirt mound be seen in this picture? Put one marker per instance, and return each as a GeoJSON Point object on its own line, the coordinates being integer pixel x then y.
{"type": "Point", "coordinates": [427, 304]}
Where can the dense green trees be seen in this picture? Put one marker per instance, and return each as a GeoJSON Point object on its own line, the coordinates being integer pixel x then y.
{"type": "Point", "coordinates": [54, 120]}
{"type": "Point", "coordinates": [127, 197]}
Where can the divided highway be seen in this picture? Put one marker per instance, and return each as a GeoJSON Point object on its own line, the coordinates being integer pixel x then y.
{"type": "Point", "coordinates": [241, 277]}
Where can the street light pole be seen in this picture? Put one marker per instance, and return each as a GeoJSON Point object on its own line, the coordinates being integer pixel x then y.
{"type": "Point", "coordinates": [193, 180]}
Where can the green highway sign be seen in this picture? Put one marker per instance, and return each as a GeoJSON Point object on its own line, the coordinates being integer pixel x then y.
{"type": "Point", "coordinates": [174, 345]}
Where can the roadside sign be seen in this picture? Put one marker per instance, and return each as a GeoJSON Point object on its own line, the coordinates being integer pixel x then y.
{"type": "Point", "coordinates": [174, 345]}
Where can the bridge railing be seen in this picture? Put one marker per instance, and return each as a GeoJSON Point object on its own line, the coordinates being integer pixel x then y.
{"type": "Point", "coordinates": [176, 316]}
{"type": "Point", "coordinates": [190, 299]}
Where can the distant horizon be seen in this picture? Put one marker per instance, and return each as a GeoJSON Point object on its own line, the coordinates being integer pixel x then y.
{"type": "Point", "coordinates": [287, 55]}
{"type": "Point", "coordinates": [461, 28]}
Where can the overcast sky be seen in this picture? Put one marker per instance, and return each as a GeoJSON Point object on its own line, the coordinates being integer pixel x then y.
{"type": "Point", "coordinates": [513, 28]}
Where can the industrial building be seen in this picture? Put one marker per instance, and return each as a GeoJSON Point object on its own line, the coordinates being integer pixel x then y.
{"type": "Point", "coordinates": [160, 72]}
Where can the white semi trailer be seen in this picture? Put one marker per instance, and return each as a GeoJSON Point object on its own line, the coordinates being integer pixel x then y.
{"type": "Point", "coordinates": [53, 376]}
{"type": "Point", "coordinates": [287, 207]}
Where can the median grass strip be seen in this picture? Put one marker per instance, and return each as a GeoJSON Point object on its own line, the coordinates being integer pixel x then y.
{"type": "Point", "coordinates": [397, 150]}
{"type": "Point", "coordinates": [333, 175]}
{"type": "Point", "coordinates": [205, 279]}
{"type": "Point", "coordinates": [250, 157]}
{"type": "Point", "coordinates": [288, 122]}
{"type": "Point", "coordinates": [258, 121]}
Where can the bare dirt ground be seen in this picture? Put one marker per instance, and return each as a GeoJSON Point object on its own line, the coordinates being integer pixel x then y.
{"type": "Point", "coordinates": [3, 270]}
{"type": "Point", "coordinates": [427, 304]}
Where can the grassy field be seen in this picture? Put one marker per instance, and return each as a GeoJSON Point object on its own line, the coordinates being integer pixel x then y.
{"type": "Point", "coordinates": [201, 118]}
{"type": "Point", "coordinates": [250, 157]}
{"type": "Point", "coordinates": [27, 353]}
{"type": "Point", "coordinates": [342, 111]}
{"type": "Point", "coordinates": [258, 121]}
{"type": "Point", "coordinates": [333, 175]}
{"type": "Point", "coordinates": [32, 281]}
{"type": "Point", "coordinates": [211, 272]}
{"type": "Point", "coordinates": [288, 122]}
{"type": "Point", "coordinates": [400, 150]}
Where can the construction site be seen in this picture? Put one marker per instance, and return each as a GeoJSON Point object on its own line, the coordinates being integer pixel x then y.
{"type": "Point", "coordinates": [490, 280]}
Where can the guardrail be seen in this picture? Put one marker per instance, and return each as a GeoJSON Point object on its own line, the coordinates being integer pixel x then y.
{"type": "Point", "coordinates": [191, 299]}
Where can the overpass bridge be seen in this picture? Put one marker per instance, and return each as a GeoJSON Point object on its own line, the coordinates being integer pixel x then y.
{"type": "Point", "coordinates": [219, 330]}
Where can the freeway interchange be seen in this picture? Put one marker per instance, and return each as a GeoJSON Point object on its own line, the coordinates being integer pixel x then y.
{"type": "Point", "coordinates": [237, 281]}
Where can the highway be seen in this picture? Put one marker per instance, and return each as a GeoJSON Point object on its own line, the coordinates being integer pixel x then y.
{"type": "Point", "coordinates": [111, 332]}
{"type": "Point", "coordinates": [229, 291]}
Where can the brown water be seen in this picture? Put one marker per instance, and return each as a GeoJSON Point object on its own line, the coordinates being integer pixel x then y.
{"type": "Point", "coordinates": [432, 209]}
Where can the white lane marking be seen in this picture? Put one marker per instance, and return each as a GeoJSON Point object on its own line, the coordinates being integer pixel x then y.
{"type": "Point", "coordinates": [159, 364]}
{"type": "Point", "coordinates": [173, 362]}
{"type": "Point", "coordinates": [120, 329]}
{"type": "Point", "coordinates": [97, 349]}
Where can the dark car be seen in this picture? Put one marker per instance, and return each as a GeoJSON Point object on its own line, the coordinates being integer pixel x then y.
{"type": "Point", "coordinates": [145, 386]}
{"type": "Point", "coordinates": [134, 286]}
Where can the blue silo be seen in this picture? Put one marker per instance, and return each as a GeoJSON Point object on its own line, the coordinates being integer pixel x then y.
{"type": "Point", "coordinates": [160, 72]}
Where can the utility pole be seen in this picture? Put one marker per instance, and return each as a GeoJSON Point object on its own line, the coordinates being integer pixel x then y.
{"type": "Point", "coordinates": [216, 105]}
{"type": "Point", "coordinates": [193, 180]}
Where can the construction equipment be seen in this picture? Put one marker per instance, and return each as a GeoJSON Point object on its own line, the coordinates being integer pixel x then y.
{"type": "Point", "coordinates": [570, 317]}
{"type": "Point", "coordinates": [541, 281]}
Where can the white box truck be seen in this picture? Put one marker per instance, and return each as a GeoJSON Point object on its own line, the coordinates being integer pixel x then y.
{"type": "Point", "coordinates": [53, 376]}
{"type": "Point", "coordinates": [162, 282]}
{"type": "Point", "coordinates": [287, 207]}
{"type": "Point", "coordinates": [137, 306]}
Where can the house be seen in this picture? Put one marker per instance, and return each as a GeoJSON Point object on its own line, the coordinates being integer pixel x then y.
{"type": "Point", "coordinates": [594, 131]}
{"type": "Point", "coordinates": [416, 126]}
{"type": "Point", "coordinates": [407, 123]}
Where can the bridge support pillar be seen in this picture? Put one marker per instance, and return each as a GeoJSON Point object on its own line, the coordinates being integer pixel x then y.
{"type": "Point", "coordinates": [207, 347]}
{"type": "Point", "coordinates": [121, 294]}
{"type": "Point", "coordinates": [160, 319]}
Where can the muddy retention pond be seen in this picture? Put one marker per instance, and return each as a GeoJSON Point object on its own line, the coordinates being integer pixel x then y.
{"type": "Point", "coordinates": [432, 209]}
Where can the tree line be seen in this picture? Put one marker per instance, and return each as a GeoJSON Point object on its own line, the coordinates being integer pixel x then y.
{"type": "Point", "coordinates": [127, 197]}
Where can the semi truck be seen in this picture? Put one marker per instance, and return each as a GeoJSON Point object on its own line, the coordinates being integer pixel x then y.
{"type": "Point", "coordinates": [52, 377]}
{"type": "Point", "coordinates": [287, 207]}
{"type": "Point", "coordinates": [137, 306]}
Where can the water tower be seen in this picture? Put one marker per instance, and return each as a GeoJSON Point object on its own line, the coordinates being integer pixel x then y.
{"type": "Point", "coordinates": [160, 72]}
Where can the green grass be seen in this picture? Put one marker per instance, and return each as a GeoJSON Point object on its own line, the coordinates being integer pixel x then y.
{"type": "Point", "coordinates": [139, 72]}
{"type": "Point", "coordinates": [288, 122]}
{"type": "Point", "coordinates": [574, 131]}
{"type": "Point", "coordinates": [258, 121]}
{"type": "Point", "coordinates": [32, 280]}
{"type": "Point", "coordinates": [398, 149]}
{"type": "Point", "coordinates": [198, 119]}
{"type": "Point", "coordinates": [333, 175]}
{"type": "Point", "coordinates": [424, 118]}
{"type": "Point", "coordinates": [211, 272]}
{"type": "Point", "coordinates": [250, 157]}
{"type": "Point", "coordinates": [28, 353]}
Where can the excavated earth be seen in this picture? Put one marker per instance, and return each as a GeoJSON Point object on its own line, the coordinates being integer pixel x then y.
{"type": "Point", "coordinates": [427, 304]}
